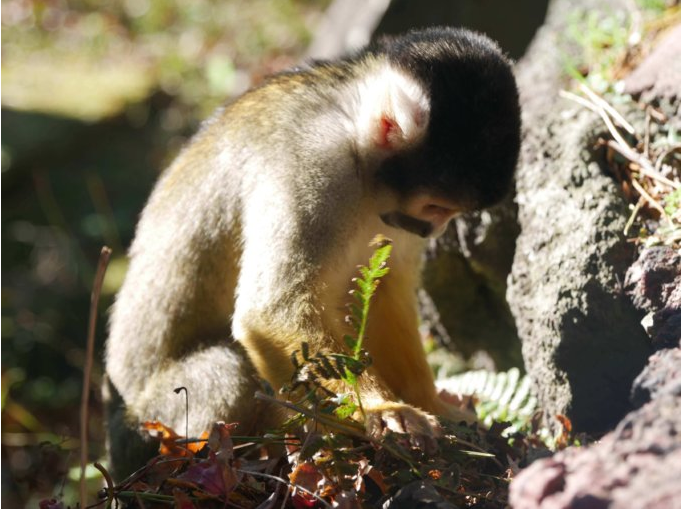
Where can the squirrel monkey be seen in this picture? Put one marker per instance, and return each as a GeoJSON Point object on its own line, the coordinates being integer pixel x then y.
{"type": "Point", "coordinates": [250, 239]}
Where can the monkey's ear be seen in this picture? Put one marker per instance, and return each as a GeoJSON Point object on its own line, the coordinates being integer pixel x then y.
{"type": "Point", "coordinates": [393, 110]}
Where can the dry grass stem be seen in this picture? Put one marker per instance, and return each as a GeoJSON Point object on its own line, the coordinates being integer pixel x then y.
{"type": "Point", "coordinates": [633, 215]}
{"type": "Point", "coordinates": [645, 167]}
{"type": "Point", "coordinates": [84, 402]}
{"type": "Point", "coordinates": [605, 105]}
{"type": "Point", "coordinates": [651, 201]}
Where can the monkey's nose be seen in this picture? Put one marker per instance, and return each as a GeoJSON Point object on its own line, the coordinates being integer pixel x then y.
{"type": "Point", "coordinates": [432, 209]}
{"type": "Point", "coordinates": [437, 213]}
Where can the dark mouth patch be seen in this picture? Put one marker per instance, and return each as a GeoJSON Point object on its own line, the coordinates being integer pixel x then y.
{"type": "Point", "coordinates": [408, 223]}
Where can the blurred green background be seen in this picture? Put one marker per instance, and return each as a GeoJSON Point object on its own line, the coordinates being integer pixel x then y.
{"type": "Point", "coordinates": [97, 97]}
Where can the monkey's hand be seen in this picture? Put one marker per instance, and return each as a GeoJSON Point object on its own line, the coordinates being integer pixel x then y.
{"type": "Point", "coordinates": [422, 428]}
{"type": "Point", "coordinates": [455, 408]}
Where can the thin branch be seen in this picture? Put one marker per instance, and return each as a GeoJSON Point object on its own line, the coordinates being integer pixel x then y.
{"type": "Point", "coordinates": [651, 201]}
{"type": "Point", "coordinates": [645, 166]}
{"type": "Point", "coordinates": [579, 100]}
{"type": "Point", "coordinates": [612, 129]}
{"type": "Point", "coordinates": [85, 398]}
{"type": "Point", "coordinates": [177, 390]}
{"type": "Point", "coordinates": [110, 486]}
{"type": "Point", "coordinates": [646, 137]}
{"type": "Point", "coordinates": [633, 215]}
{"type": "Point", "coordinates": [596, 108]}
{"type": "Point", "coordinates": [354, 430]}
{"type": "Point", "coordinates": [598, 100]}
{"type": "Point", "coordinates": [670, 150]}
{"type": "Point", "coordinates": [284, 481]}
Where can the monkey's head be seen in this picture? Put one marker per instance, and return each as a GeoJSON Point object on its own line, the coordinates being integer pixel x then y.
{"type": "Point", "coordinates": [442, 111]}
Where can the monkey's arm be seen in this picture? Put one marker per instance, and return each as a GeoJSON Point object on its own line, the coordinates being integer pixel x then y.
{"type": "Point", "coordinates": [283, 301]}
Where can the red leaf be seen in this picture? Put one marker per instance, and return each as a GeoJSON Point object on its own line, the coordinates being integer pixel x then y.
{"type": "Point", "coordinates": [209, 476]}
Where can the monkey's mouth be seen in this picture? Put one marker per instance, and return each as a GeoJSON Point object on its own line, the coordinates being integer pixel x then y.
{"type": "Point", "coordinates": [408, 223]}
{"type": "Point", "coordinates": [423, 214]}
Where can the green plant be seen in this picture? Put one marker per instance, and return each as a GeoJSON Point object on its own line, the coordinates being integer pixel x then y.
{"type": "Point", "coordinates": [338, 366]}
{"type": "Point", "coordinates": [503, 396]}
{"type": "Point", "coordinates": [359, 310]}
{"type": "Point", "coordinates": [673, 203]}
{"type": "Point", "coordinates": [601, 40]}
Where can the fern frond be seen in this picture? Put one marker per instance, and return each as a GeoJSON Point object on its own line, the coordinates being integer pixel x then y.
{"type": "Point", "coordinates": [503, 396]}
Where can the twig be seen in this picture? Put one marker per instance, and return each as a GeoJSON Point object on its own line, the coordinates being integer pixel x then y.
{"type": "Point", "coordinates": [646, 136]}
{"type": "Point", "coordinates": [612, 129]}
{"type": "Point", "coordinates": [128, 481]}
{"type": "Point", "coordinates": [139, 501]}
{"type": "Point", "coordinates": [356, 430]}
{"type": "Point", "coordinates": [645, 166]}
{"type": "Point", "coordinates": [177, 390]}
{"type": "Point", "coordinates": [286, 495]}
{"type": "Point", "coordinates": [670, 150]}
{"type": "Point", "coordinates": [85, 398]}
{"type": "Point", "coordinates": [579, 100]}
{"type": "Point", "coordinates": [633, 215]}
{"type": "Point", "coordinates": [603, 108]}
{"type": "Point", "coordinates": [479, 450]}
{"type": "Point", "coordinates": [651, 201]}
{"type": "Point", "coordinates": [596, 108]}
{"type": "Point", "coordinates": [110, 486]}
{"type": "Point", "coordinates": [598, 100]}
{"type": "Point", "coordinates": [283, 481]}
{"type": "Point", "coordinates": [658, 115]}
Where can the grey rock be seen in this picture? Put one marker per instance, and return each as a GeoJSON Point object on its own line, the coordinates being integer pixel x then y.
{"type": "Point", "coordinates": [654, 279]}
{"type": "Point", "coordinates": [638, 465]}
{"type": "Point", "coordinates": [659, 75]}
{"type": "Point", "coordinates": [662, 375]}
{"type": "Point", "coordinates": [583, 343]}
{"type": "Point", "coordinates": [653, 283]}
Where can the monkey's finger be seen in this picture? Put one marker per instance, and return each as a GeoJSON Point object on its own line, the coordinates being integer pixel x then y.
{"type": "Point", "coordinates": [394, 420]}
{"type": "Point", "coordinates": [423, 430]}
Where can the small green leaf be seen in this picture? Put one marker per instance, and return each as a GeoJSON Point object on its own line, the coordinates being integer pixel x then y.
{"type": "Point", "coordinates": [355, 366]}
{"type": "Point", "coordinates": [381, 272]}
{"type": "Point", "coordinates": [350, 341]}
{"type": "Point", "coordinates": [364, 286]}
{"type": "Point", "coordinates": [345, 410]}
{"type": "Point", "coordinates": [349, 377]}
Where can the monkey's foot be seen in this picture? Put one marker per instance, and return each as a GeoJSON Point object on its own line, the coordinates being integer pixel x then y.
{"type": "Point", "coordinates": [422, 428]}
{"type": "Point", "coordinates": [457, 409]}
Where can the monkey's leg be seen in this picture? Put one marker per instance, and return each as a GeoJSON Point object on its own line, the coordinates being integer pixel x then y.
{"type": "Point", "coordinates": [126, 448]}
{"type": "Point", "coordinates": [220, 382]}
